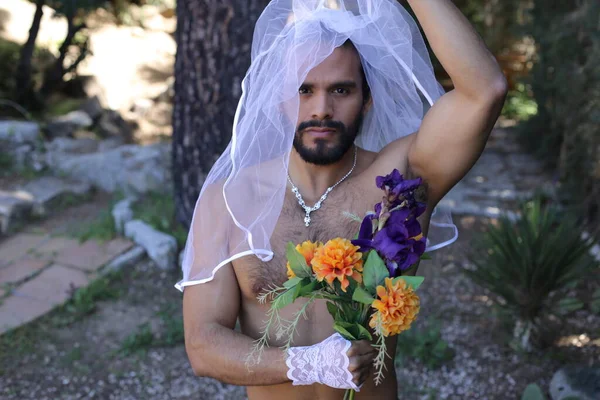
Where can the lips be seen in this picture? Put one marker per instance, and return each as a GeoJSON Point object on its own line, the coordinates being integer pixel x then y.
{"type": "Point", "coordinates": [320, 132]}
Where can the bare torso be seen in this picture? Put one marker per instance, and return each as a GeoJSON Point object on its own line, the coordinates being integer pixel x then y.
{"type": "Point", "coordinates": [357, 195]}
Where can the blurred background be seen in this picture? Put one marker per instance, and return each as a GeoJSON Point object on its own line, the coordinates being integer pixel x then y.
{"type": "Point", "coordinates": [111, 115]}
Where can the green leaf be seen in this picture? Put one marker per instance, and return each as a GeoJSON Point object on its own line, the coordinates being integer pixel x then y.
{"type": "Point", "coordinates": [290, 283]}
{"type": "Point", "coordinates": [297, 261]}
{"type": "Point", "coordinates": [426, 256]}
{"type": "Point", "coordinates": [333, 310]}
{"type": "Point", "coordinates": [569, 305]}
{"type": "Point", "coordinates": [374, 272]}
{"type": "Point", "coordinates": [412, 281]}
{"type": "Point", "coordinates": [533, 392]}
{"type": "Point", "coordinates": [286, 298]}
{"type": "Point", "coordinates": [364, 333]}
{"type": "Point", "coordinates": [338, 327]}
{"type": "Point", "coordinates": [362, 296]}
{"type": "Point", "coordinates": [307, 286]}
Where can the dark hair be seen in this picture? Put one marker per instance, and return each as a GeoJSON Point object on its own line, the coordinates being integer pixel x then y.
{"type": "Point", "coordinates": [365, 85]}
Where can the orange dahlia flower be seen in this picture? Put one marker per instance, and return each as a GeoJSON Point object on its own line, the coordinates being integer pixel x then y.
{"type": "Point", "coordinates": [338, 259]}
{"type": "Point", "coordinates": [397, 307]}
{"type": "Point", "coordinates": [307, 249]}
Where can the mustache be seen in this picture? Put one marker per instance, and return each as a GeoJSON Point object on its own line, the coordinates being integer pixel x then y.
{"type": "Point", "coordinates": [337, 125]}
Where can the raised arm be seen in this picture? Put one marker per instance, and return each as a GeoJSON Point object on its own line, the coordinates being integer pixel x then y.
{"type": "Point", "coordinates": [454, 131]}
{"type": "Point", "coordinates": [213, 347]}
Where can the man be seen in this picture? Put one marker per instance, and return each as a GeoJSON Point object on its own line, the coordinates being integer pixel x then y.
{"type": "Point", "coordinates": [338, 102]}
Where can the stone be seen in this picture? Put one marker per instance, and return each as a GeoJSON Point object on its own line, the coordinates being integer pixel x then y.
{"type": "Point", "coordinates": [582, 382]}
{"type": "Point", "coordinates": [16, 310]}
{"type": "Point", "coordinates": [125, 260]}
{"type": "Point", "coordinates": [133, 169]}
{"type": "Point", "coordinates": [161, 248]}
{"type": "Point", "coordinates": [92, 255]}
{"type": "Point", "coordinates": [20, 270]}
{"type": "Point", "coordinates": [55, 285]}
{"type": "Point", "coordinates": [49, 191]}
{"type": "Point", "coordinates": [92, 107]}
{"type": "Point", "coordinates": [110, 143]}
{"type": "Point", "coordinates": [18, 132]}
{"type": "Point", "coordinates": [122, 213]}
{"type": "Point", "coordinates": [15, 207]}
{"type": "Point", "coordinates": [112, 124]}
{"type": "Point", "coordinates": [74, 146]}
{"type": "Point", "coordinates": [67, 124]}
{"type": "Point", "coordinates": [49, 249]}
{"type": "Point", "coordinates": [18, 246]}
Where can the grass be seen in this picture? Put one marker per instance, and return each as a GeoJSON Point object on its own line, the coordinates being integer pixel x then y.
{"type": "Point", "coordinates": [426, 345]}
{"type": "Point", "coordinates": [520, 104]}
{"type": "Point", "coordinates": [102, 228]}
{"type": "Point", "coordinates": [144, 339]}
{"type": "Point", "coordinates": [83, 302]}
{"type": "Point", "coordinates": [158, 211]}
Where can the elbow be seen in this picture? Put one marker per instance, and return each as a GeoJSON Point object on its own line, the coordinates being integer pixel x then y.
{"type": "Point", "coordinates": [195, 347]}
{"type": "Point", "coordinates": [497, 90]}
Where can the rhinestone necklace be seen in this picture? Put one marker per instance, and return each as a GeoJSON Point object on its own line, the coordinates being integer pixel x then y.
{"type": "Point", "coordinates": [317, 205]}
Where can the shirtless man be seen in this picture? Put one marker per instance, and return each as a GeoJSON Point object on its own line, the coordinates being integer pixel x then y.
{"type": "Point", "coordinates": [333, 100]}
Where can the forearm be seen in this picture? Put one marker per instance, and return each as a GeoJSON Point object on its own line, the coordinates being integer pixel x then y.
{"type": "Point", "coordinates": [461, 51]}
{"type": "Point", "coordinates": [221, 353]}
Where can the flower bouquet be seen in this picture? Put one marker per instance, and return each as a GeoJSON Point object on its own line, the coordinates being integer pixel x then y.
{"type": "Point", "coordinates": [360, 279]}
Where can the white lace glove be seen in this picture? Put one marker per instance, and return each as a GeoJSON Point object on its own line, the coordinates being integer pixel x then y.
{"type": "Point", "coordinates": [325, 362]}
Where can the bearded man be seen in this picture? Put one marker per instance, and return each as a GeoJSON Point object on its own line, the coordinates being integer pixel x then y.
{"type": "Point", "coordinates": [338, 93]}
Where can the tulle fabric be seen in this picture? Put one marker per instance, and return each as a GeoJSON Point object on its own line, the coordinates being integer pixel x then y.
{"type": "Point", "coordinates": [243, 194]}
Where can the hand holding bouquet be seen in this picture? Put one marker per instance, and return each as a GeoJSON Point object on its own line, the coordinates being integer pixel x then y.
{"type": "Point", "coordinates": [361, 279]}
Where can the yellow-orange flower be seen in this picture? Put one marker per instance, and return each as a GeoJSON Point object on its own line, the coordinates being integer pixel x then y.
{"type": "Point", "coordinates": [397, 307]}
{"type": "Point", "coordinates": [338, 259]}
{"type": "Point", "coordinates": [307, 249]}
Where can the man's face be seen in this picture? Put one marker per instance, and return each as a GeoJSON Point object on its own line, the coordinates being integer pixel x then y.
{"type": "Point", "coordinates": [331, 108]}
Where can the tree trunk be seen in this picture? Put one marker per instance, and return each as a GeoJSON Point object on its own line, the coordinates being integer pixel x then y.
{"type": "Point", "coordinates": [25, 93]}
{"type": "Point", "coordinates": [213, 53]}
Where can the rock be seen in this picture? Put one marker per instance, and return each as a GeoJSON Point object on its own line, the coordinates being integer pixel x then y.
{"type": "Point", "coordinates": [67, 124]}
{"type": "Point", "coordinates": [131, 168]}
{"type": "Point", "coordinates": [15, 206]}
{"type": "Point", "coordinates": [112, 124]}
{"type": "Point", "coordinates": [19, 132]}
{"type": "Point", "coordinates": [131, 257]}
{"type": "Point", "coordinates": [161, 248]}
{"type": "Point", "coordinates": [110, 143]}
{"type": "Point", "coordinates": [581, 382]}
{"type": "Point", "coordinates": [92, 107]}
{"type": "Point", "coordinates": [75, 146]}
{"type": "Point", "coordinates": [48, 192]}
{"type": "Point", "coordinates": [122, 213]}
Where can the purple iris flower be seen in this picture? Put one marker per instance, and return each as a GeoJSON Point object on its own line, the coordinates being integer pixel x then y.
{"type": "Point", "coordinates": [396, 242]}
{"type": "Point", "coordinates": [396, 184]}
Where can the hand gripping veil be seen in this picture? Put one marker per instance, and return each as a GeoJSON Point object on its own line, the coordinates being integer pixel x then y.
{"type": "Point", "coordinates": [243, 194]}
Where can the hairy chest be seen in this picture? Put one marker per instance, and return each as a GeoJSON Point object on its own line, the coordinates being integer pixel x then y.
{"type": "Point", "coordinates": [330, 221]}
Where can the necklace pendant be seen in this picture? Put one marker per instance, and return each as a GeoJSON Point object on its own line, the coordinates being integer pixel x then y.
{"type": "Point", "coordinates": [307, 220]}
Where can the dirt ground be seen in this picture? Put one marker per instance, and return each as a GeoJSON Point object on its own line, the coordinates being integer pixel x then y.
{"type": "Point", "coordinates": [54, 359]}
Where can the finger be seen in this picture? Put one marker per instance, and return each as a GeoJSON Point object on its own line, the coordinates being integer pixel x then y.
{"type": "Point", "coordinates": [358, 363]}
{"type": "Point", "coordinates": [360, 347]}
{"type": "Point", "coordinates": [360, 376]}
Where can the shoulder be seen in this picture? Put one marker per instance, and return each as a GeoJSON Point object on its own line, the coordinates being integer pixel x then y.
{"type": "Point", "coordinates": [393, 156]}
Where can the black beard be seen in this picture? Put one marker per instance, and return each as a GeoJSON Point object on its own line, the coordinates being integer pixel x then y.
{"type": "Point", "coordinates": [323, 154]}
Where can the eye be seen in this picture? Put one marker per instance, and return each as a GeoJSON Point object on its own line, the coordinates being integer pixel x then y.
{"type": "Point", "coordinates": [303, 91]}
{"type": "Point", "coordinates": [341, 91]}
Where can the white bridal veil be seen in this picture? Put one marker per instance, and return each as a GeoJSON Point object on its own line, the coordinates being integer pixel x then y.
{"type": "Point", "coordinates": [243, 194]}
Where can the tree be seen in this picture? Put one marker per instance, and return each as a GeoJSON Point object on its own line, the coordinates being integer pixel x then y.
{"type": "Point", "coordinates": [213, 53]}
{"type": "Point", "coordinates": [74, 11]}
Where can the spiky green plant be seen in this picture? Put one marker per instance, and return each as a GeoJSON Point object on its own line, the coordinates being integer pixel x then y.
{"type": "Point", "coordinates": [528, 262]}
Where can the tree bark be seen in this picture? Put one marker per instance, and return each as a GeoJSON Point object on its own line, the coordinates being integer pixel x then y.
{"type": "Point", "coordinates": [25, 93]}
{"type": "Point", "coordinates": [213, 38]}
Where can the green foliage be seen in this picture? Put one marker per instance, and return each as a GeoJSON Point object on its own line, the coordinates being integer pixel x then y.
{"type": "Point", "coordinates": [9, 54]}
{"type": "Point", "coordinates": [527, 263]}
{"type": "Point", "coordinates": [158, 211]}
{"type": "Point", "coordinates": [520, 105]}
{"type": "Point", "coordinates": [533, 392]}
{"type": "Point", "coordinates": [102, 228]}
{"type": "Point", "coordinates": [426, 345]}
{"type": "Point", "coordinates": [139, 341]}
{"type": "Point", "coordinates": [83, 302]}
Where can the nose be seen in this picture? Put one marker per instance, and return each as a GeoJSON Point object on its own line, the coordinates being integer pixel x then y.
{"type": "Point", "coordinates": [322, 107]}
